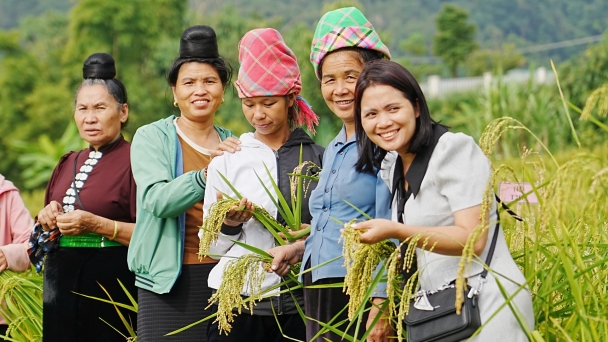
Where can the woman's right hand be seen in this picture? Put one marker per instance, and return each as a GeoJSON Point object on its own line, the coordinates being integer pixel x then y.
{"type": "Point", "coordinates": [377, 230]}
{"type": "Point", "coordinates": [285, 256]}
{"type": "Point", "coordinates": [47, 217]}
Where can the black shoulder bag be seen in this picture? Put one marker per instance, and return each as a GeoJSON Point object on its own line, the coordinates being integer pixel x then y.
{"type": "Point", "coordinates": [432, 315]}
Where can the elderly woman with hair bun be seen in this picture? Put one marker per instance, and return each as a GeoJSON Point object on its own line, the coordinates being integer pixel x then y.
{"type": "Point", "coordinates": [169, 159]}
{"type": "Point", "coordinates": [89, 217]}
{"type": "Point", "coordinates": [344, 41]}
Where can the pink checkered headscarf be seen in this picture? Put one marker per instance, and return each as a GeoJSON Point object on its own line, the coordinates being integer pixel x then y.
{"type": "Point", "coordinates": [268, 67]}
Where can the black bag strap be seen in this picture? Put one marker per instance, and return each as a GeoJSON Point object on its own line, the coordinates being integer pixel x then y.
{"type": "Point", "coordinates": [492, 246]}
{"type": "Point", "coordinates": [496, 229]}
{"type": "Point", "coordinates": [507, 209]}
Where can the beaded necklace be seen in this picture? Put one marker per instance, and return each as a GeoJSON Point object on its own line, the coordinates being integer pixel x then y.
{"type": "Point", "coordinates": [71, 194]}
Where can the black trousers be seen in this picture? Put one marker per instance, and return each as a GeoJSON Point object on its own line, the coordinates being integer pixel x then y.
{"type": "Point", "coordinates": [68, 316]}
{"type": "Point", "coordinates": [255, 328]}
{"type": "Point", "coordinates": [3, 328]}
{"type": "Point", "coordinates": [160, 314]}
{"type": "Point", "coordinates": [323, 304]}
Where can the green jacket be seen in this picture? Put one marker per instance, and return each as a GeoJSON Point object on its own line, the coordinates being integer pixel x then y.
{"type": "Point", "coordinates": [164, 193]}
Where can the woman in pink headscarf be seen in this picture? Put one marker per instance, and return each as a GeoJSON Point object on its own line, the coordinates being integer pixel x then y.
{"type": "Point", "coordinates": [268, 84]}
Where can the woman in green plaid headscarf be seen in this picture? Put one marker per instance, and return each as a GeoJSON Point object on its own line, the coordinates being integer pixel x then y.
{"type": "Point", "coordinates": [344, 41]}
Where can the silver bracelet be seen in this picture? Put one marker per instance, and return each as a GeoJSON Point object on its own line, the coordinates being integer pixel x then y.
{"type": "Point", "coordinates": [299, 249]}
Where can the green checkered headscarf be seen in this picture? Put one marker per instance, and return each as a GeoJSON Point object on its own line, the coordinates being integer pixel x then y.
{"type": "Point", "coordinates": [344, 27]}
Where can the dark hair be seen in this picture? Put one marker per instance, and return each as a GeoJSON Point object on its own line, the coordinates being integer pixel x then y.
{"type": "Point", "coordinates": [384, 72]}
{"type": "Point", "coordinates": [198, 44]}
{"type": "Point", "coordinates": [292, 111]}
{"type": "Point", "coordinates": [365, 55]}
{"type": "Point", "coordinates": [99, 68]}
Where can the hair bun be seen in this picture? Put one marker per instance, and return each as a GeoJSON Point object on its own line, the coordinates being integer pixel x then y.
{"type": "Point", "coordinates": [198, 42]}
{"type": "Point", "coordinates": [99, 65]}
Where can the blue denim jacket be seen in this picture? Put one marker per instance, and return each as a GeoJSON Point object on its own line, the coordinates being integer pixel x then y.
{"type": "Point", "coordinates": [339, 182]}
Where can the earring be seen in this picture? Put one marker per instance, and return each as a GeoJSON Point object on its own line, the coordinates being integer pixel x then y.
{"type": "Point", "coordinates": [174, 104]}
{"type": "Point", "coordinates": [222, 100]}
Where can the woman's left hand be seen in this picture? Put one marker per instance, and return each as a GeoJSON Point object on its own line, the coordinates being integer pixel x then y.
{"type": "Point", "coordinates": [376, 230]}
{"type": "Point", "coordinates": [77, 222]}
{"type": "Point", "coordinates": [239, 214]}
{"type": "Point", "coordinates": [382, 330]}
{"type": "Point", "coordinates": [231, 145]}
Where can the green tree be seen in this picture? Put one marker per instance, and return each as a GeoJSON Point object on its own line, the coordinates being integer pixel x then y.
{"type": "Point", "coordinates": [40, 158]}
{"type": "Point", "coordinates": [138, 35]}
{"type": "Point", "coordinates": [19, 74]}
{"type": "Point", "coordinates": [41, 67]}
{"type": "Point", "coordinates": [586, 72]}
{"type": "Point", "coordinates": [414, 44]}
{"type": "Point", "coordinates": [454, 40]}
{"type": "Point", "coordinates": [503, 59]}
{"type": "Point", "coordinates": [416, 62]}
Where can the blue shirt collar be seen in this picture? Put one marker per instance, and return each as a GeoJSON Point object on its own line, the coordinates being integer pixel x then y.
{"type": "Point", "coordinates": [341, 137]}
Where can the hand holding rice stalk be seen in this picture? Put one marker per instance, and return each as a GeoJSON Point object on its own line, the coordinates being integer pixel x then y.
{"type": "Point", "coordinates": [360, 261]}
{"type": "Point", "coordinates": [249, 270]}
{"type": "Point", "coordinates": [301, 178]}
{"type": "Point", "coordinates": [212, 224]}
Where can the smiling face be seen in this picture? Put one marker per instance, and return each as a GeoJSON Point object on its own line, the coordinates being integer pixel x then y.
{"type": "Point", "coordinates": [98, 115]}
{"type": "Point", "coordinates": [339, 73]}
{"type": "Point", "coordinates": [388, 118]}
{"type": "Point", "coordinates": [268, 114]}
{"type": "Point", "coordinates": [198, 91]}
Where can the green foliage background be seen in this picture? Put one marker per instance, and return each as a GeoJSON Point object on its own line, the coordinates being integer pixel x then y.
{"type": "Point", "coordinates": [44, 42]}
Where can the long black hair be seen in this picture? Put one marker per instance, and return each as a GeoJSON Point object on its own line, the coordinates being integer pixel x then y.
{"type": "Point", "coordinates": [384, 72]}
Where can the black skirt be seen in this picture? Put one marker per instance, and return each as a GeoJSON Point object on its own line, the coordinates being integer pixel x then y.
{"type": "Point", "coordinates": [324, 305]}
{"type": "Point", "coordinates": [160, 314]}
{"type": "Point", "coordinates": [68, 316]}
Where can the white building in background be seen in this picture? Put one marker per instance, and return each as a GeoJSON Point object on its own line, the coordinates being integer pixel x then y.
{"type": "Point", "coordinates": [436, 87]}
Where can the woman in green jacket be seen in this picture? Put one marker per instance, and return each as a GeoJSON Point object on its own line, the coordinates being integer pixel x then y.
{"type": "Point", "coordinates": [169, 158]}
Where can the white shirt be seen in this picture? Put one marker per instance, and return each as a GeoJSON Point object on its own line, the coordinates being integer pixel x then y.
{"type": "Point", "coordinates": [456, 178]}
{"type": "Point", "coordinates": [239, 169]}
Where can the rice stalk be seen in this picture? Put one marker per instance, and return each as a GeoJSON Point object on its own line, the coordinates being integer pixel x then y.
{"type": "Point", "coordinates": [562, 245]}
{"type": "Point", "coordinates": [212, 224]}
{"type": "Point", "coordinates": [21, 295]}
{"type": "Point", "coordinates": [495, 129]}
{"type": "Point", "coordinates": [299, 171]}
{"type": "Point", "coordinates": [597, 100]}
{"type": "Point", "coordinates": [360, 261]}
{"type": "Point", "coordinates": [248, 270]}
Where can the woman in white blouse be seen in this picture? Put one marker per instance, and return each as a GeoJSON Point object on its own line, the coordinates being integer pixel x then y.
{"type": "Point", "coordinates": [437, 179]}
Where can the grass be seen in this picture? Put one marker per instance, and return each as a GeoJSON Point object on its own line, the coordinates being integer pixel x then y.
{"type": "Point", "coordinates": [21, 295]}
{"type": "Point", "coordinates": [562, 245]}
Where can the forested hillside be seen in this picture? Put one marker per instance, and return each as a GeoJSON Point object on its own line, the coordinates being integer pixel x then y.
{"type": "Point", "coordinates": [41, 56]}
{"type": "Point", "coordinates": [522, 22]}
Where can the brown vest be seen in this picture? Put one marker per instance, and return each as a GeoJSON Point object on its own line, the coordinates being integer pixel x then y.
{"type": "Point", "coordinates": [193, 160]}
